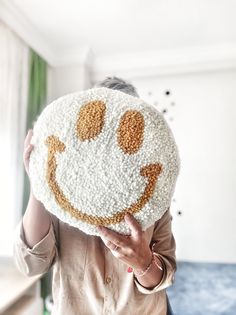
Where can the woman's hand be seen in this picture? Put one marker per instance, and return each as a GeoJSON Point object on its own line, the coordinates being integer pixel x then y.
{"type": "Point", "coordinates": [36, 220]}
{"type": "Point", "coordinates": [131, 249]}
{"type": "Point", "coordinates": [28, 147]}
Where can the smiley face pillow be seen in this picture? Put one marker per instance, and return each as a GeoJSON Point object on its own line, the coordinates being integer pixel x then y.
{"type": "Point", "coordinates": [99, 154]}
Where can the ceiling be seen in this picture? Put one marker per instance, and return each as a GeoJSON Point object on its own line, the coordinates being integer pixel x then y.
{"type": "Point", "coordinates": [151, 36]}
{"type": "Point", "coordinates": [126, 26]}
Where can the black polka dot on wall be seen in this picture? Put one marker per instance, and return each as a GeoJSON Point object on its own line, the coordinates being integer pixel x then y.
{"type": "Point", "coordinates": [164, 111]}
{"type": "Point", "coordinates": [164, 106]}
{"type": "Point", "coordinates": [167, 92]}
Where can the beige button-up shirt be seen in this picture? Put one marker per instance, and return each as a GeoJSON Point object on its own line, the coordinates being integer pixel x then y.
{"type": "Point", "coordinates": [88, 279]}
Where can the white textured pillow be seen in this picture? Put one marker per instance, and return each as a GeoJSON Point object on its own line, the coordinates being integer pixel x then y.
{"type": "Point", "coordinates": [99, 154]}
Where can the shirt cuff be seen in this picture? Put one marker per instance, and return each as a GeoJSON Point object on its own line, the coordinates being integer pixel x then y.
{"type": "Point", "coordinates": [42, 246]}
{"type": "Point", "coordinates": [39, 258]}
{"type": "Point", "coordinates": [163, 284]}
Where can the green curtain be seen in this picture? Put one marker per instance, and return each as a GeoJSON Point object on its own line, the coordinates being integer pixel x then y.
{"type": "Point", "coordinates": [36, 101]}
{"type": "Point", "coordinates": [37, 87]}
{"type": "Point", "coordinates": [37, 98]}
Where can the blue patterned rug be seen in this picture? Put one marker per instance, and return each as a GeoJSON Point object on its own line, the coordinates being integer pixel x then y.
{"type": "Point", "coordinates": [204, 289]}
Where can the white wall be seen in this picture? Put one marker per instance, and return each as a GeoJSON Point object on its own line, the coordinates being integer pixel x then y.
{"type": "Point", "coordinates": [67, 79]}
{"type": "Point", "coordinates": [204, 116]}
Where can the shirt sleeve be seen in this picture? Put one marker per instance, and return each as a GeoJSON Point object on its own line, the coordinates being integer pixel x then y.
{"type": "Point", "coordinates": [38, 259]}
{"type": "Point", "coordinates": [165, 247]}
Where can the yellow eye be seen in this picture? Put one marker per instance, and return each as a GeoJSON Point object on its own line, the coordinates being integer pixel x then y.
{"type": "Point", "coordinates": [130, 131]}
{"type": "Point", "coordinates": [90, 120]}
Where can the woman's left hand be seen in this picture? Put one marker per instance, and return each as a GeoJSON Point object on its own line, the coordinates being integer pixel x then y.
{"type": "Point", "coordinates": [131, 249]}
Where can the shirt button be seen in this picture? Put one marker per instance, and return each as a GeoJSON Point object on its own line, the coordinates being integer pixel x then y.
{"type": "Point", "coordinates": [108, 280]}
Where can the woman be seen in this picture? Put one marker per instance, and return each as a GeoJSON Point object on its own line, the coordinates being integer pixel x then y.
{"type": "Point", "coordinates": [110, 274]}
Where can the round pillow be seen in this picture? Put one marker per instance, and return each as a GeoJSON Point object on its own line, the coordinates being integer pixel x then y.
{"type": "Point", "coordinates": [99, 154]}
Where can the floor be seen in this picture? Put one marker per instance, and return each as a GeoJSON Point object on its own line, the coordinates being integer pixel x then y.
{"type": "Point", "coordinates": [204, 289]}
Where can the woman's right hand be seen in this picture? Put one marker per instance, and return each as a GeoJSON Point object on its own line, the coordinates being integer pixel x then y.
{"type": "Point", "coordinates": [36, 220]}
{"type": "Point", "coordinates": [28, 147]}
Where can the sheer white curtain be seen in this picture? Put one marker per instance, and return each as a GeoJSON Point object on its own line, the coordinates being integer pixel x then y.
{"type": "Point", "coordinates": [14, 56]}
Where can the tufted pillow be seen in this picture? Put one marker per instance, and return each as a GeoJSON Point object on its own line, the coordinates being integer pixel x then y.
{"type": "Point", "coordinates": [99, 154]}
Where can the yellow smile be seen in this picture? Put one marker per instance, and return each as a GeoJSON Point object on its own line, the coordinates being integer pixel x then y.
{"type": "Point", "coordinates": [150, 171]}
